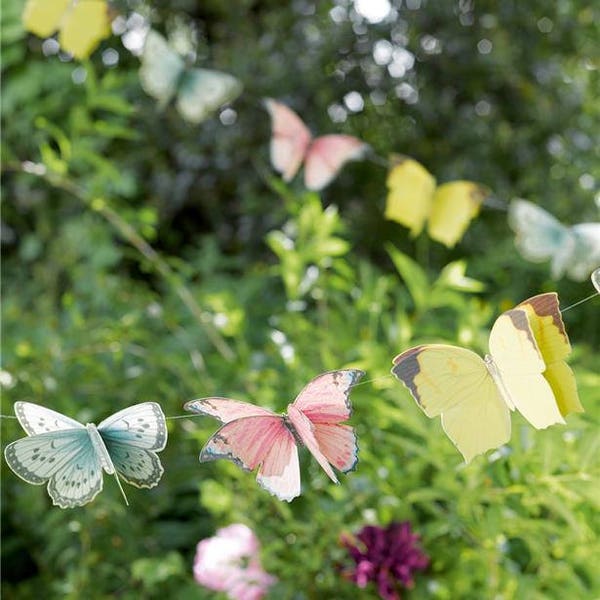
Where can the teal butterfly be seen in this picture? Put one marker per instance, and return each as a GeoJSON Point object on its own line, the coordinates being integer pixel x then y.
{"type": "Point", "coordinates": [198, 92]}
{"type": "Point", "coordinates": [71, 456]}
{"type": "Point", "coordinates": [573, 251]}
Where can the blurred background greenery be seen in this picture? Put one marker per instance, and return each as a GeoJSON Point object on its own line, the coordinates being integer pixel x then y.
{"type": "Point", "coordinates": [146, 259]}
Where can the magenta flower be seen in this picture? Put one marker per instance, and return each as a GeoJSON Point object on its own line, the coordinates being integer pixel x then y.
{"type": "Point", "coordinates": [388, 557]}
{"type": "Point", "coordinates": [229, 562]}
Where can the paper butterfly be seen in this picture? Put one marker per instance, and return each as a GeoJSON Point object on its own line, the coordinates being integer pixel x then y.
{"type": "Point", "coordinates": [539, 237]}
{"type": "Point", "coordinates": [82, 25]}
{"type": "Point", "coordinates": [198, 92]}
{"type": "Point", "coordinates": [524, 369]}
{"type": "Point", "coordinates": [256, 437]}
{"type": "Point", "coordinates": [413, 198]}
{"type": "Point", "coordinates": [292, 144]}
{"type": "Point", "coordinates": [71, 456]}
{"type": "Point", "coordinates": [595, 277]}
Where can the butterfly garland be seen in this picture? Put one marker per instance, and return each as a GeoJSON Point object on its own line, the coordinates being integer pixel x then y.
{"type": "Point", "coordinates": [524, 370]}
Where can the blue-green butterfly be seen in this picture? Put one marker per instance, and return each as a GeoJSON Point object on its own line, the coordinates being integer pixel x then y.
{"type": "Point", "coordinates": [198, 92]}
{"type": "Point", "coordinates": [71, 456]}
{"type": "Point", "coordinates": [573, 251]}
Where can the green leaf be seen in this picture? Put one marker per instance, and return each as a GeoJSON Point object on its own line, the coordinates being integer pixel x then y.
{"type": "Point", "coordinates": [414, 276]}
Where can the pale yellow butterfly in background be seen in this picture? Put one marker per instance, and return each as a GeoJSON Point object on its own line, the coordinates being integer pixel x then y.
{"type": "Point", "coordinates": [82, 24]}
{"type": "Point", "coordinates": [525, 369]}
{"type": "Point", "coordinates": [414, 199]}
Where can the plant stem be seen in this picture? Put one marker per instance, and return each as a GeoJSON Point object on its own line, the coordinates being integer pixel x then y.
{"type": "Point", "coordinates": [139, 243]}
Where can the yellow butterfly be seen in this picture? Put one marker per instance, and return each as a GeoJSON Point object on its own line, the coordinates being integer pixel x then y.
{"type": "Point", "coordinates": [82, 24]}
{"type": "Point", "coordinates": [525, 369]}
{"type": "Point", "coordinates": [414, 198]}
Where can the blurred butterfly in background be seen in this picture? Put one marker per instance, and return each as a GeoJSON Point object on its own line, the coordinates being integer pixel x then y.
{"type": "Point", "coordinates": [198, 93]}
{"type": "Point", "coordinates": [292, 144]}
{"type": "Point", "coordinates": [574, 251]}
{"type": "Point", "coordinates": [256, 437]}
{"type": "Point", "coordinates": [414, 198]}
{"type": "Point", "coordinates": [82, 24]}
{"type": "Point", "coordinates": [525, 369]}
{"type": "Point", "coordinates": [595, 277]}
{"type": "Point", "coordinates": [71, 456]}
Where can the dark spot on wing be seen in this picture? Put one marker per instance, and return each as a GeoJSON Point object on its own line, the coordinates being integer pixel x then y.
{"type": "Point", "coordinates": [406, 368]}
{"type": "Point", "coordinates": [520, 321]}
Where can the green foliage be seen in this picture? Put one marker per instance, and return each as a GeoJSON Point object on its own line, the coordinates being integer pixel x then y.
{"type": "Point", "coordinates": [148, 260]}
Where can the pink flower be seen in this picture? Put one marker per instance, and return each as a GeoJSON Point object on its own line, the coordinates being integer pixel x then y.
{"type": "Point", "coordinates": [229, 562]}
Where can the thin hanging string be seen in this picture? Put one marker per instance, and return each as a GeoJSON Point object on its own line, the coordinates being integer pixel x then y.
{"type": "Point", "coordinates": [580, 302]}
{"type": "Point", "coordinates": [121, 488]}
{"type": "Point", "coordinates": [190, 416]}
{"type": "Point", "coordinates": [382, 378]}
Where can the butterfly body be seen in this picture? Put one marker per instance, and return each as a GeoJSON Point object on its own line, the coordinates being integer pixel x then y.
{"type": "Point", "coordinates": [254, 437]}
{"type": "Point", "coordinates": [524, 370]}
{"type": "Point", "coordinates": [292, 144]}
{"type": "Point", "coordinates": [70, 457]}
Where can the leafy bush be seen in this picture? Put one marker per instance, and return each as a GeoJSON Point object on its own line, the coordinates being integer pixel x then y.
{"type": "Point", "coordinates": [147, 260]}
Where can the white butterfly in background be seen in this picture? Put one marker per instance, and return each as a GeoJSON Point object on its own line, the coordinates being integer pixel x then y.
{"type": "Point", "coordinates": [71, 456]}
{"type": "Point", "coordinates": [540, 236]}
{"type": "Point", "coordinates": [596, 279]}
{"type": "Point", "coordinates": [198, 93]}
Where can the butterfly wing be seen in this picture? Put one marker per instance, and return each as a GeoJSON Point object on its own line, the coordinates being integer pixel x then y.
{"type": "Point", "coordinates": [161, 68]}
{"type": "Point", "coordinates": [541, 237]}
{"type": "Point", "coordinates": [455, 383]}
{"type": "Point", "coordinates": [36, 419]}
{"type": "Point", "coordinates": [262, 441]}
{"type": "Point", "coordinates": [83, 27]}
{"type": "Point", "coordinates": [521, 365]}
{"type": "Point", "coordinates": [586, 254]}
{"type": "Point", "coordinates": [595, 277]}
{"type": "Point", "coordinates": [410, 194]}
{"type": "Point", "coordinates": [322, 405]}
{"type": "Point", "coordinates": [327, 155]}
{"type": "Point", "coordinates": [203, 91]}
{"type": "Point", "coordinates": [226, 410]}
{"type": "Point", "coordinates": [548, 329]}
{"type": "Point", "coordinates": [290, 139]}
{"type": "Point", "coordinates": [132, 437]}
{"type": "Point", "coordinates": [42, 17]}
{"type": "Point", "coordinates": [65, 458]}
{"type": "Point", "coordinates": [454, 206]}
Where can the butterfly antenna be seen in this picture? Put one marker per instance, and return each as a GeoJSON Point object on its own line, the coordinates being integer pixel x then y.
{"type": "Point", "coordinates": [121, 488]}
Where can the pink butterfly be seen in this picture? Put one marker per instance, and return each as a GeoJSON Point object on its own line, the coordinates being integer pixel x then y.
{"type": "Point", "coordinates": [292, 143]}
{"type": "Point", "coordinates": [256, 437]}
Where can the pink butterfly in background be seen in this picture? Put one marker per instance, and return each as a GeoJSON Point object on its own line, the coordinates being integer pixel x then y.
{"type": "Point", "coordinates": [256, 437]}
{"type": "Point", "coordinates": [292, 143]}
